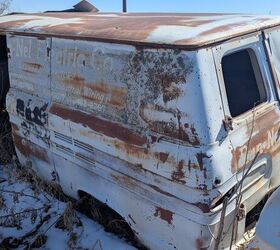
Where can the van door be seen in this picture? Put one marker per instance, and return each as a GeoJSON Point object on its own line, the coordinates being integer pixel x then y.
{"type": "Point", "coordinates": [28, 99]}
{"type": "Point", "coordinates": [252, 120]}
{"type": "Point", "coordinates": [251, 107]}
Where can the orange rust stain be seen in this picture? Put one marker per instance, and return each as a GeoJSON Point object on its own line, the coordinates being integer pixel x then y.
{"type": "Point", "coordinates": [99, 125]}
{"type": "Point", "coordinates": [179, 173]}
{"type": "Point", "coordinates": [140, 152]}
{"type": "Point", "coordinates": [164, 214]}
{"type": "Point", "coordinates": [100, 92]}
{"type": "Point", "coordinates": [132, 150]}
{"type": "Point", "coordinates": [33, 65]}
{"type": "Point", "coordinates": [29, 149]}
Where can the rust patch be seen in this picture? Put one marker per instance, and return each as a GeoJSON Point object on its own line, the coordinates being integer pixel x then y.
{"type": "Point", "coordinates": [35, 66]}
{"type": "Point", "coordinates": [200, 156]}
{"type": "Point", "coordinates": [179, 173]}
{"type": "Point", "coordinates": [164, 71]}
{"type": "Point", "coordinates": [132, 150]}
{"type": "Point", "coordinates": [174, 128]}
{"type": "Point", "coordinates": [164, 214]}
{"type": "Point", "coordinates": [99, 125]}
{"type": "Point", "coordinates": [203, 207]}
{"type": "Point", "coordinates": [29, 149]}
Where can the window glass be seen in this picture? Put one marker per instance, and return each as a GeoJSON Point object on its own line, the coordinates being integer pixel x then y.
{"type": "Point", "coordinates": [243, 81]}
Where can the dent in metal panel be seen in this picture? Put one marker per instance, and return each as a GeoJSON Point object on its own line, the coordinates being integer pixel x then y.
{"type": "Point", "coordinates": [29, 64]}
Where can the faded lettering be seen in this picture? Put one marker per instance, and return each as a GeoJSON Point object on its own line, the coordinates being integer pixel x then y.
{"type": "Point", "coordinates": [262, 147]}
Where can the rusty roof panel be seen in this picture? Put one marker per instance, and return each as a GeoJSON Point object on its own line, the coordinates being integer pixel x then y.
{"type": "Point", "coordinates": [190, 30]}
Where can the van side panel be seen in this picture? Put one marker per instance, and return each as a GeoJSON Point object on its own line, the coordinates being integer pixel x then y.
{"type": "Point", "coordinates": [126, 124]}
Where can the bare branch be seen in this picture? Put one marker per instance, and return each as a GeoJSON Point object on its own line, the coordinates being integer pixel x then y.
{"type": "Point", "coordinates": [5, 6]}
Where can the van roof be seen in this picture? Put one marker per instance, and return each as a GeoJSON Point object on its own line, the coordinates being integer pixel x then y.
{"type": "Point", "coordinates": [180, 29]}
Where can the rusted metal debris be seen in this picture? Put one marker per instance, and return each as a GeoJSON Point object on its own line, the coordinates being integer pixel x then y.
{"type": "Point", "coordinates": [85, 6]}
{"type": "Point", "coordinates": [82, 6]}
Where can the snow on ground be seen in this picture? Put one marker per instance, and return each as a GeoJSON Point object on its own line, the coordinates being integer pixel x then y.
{"type": "Point", "coordinates": [29, 220]}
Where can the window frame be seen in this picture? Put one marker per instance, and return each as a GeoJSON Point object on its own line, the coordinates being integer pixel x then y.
{"type": "Point", "coordinates": [255, 43]}
{"type": "Point", "coordinates": [257, 74]}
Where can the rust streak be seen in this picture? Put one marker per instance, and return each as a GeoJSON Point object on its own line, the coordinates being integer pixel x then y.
{"type": "Point", "coordinates": [29, 149]}
{"type": "Point", "coordinates": [161, 191]}
{"type": "Point", "coordinates": [200, 156]}
{"type": "Point", "coordinates": [179, 173]}
{"type": "Point", "coordinates": [99, 125]}
{"type": "Point", "coordinates": [33, 65]}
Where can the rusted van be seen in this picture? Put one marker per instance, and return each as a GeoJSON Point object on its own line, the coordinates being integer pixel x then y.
{"type": "Point", "coordinates": [172, 120]}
